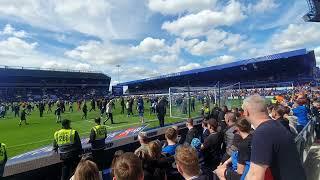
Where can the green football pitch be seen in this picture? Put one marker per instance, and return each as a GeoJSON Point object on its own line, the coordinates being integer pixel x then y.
{"type": "Point", "coordinates": [39, 132]}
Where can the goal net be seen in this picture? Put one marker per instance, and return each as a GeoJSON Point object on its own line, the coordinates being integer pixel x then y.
{"type": "Point", "coordinates": [231, 96]}
{"type": "Point", "coordinates": [188, 102]}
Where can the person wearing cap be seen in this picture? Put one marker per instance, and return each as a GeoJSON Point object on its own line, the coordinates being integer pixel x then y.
{"type": "Point", "coordinates": [143, 140]}
{"type": "Point", "coordinates": [67, 143]}
{"type": "Point", "coordinates": [98, 136]}
{"type": "Point", "coordinates": [3, 158]}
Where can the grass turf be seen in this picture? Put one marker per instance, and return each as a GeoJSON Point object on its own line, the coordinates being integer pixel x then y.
{"type": "Point", "coordinates": [40, 130]}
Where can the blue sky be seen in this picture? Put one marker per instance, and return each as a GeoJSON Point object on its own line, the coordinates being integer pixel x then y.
{"type": "Point", "coordinates": [149, 37]}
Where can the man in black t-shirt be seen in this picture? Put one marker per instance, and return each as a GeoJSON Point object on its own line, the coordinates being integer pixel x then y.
{"type": "Point", "coordinates": [272, 145]}
{"type": "Point", "coordinates": [192, 132]}
{"type": "Point", "coordinates": [211, 147]}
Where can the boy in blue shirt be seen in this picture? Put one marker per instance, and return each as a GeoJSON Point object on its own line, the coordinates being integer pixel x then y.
{"type": "Point", "coordinates": [171, 137]}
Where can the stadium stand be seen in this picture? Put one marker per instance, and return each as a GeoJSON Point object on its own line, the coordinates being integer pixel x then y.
{"type": "Point", "coordinates": [45, 164]}
{"type": "Point", "coordinates": [314, 11]}
{"type": "Point", "coordinates": [203, 143]}
{"type": "Point", "coordinates": [19, 83]}
{"type": "Point", "coordinates": [298, 66]}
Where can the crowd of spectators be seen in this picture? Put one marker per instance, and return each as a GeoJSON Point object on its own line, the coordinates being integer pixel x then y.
{"type": "Point", "coordinates": [256, 142]}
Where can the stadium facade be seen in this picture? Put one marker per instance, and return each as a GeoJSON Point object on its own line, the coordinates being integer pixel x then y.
{"type": "Point", "coordinates": [19, 82]}
{"type": "Point", "coordinates": [293, 66]}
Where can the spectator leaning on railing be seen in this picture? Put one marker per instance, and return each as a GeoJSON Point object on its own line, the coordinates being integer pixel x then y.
{"type": "Point", "coordinates": [272, 145]}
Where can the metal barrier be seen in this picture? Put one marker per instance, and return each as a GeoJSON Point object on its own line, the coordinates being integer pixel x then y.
{"type": "Point", "coordinates": [305, 139]}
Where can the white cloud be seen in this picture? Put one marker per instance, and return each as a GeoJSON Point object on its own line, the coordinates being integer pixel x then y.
{"type": "Point", "coordinates": [52, 64]}
{"type": "Point", "coordinates": [263, 6]}
{"type": "Point", "coordinates": [179, 6]}
{"type": "Point", "coordinates": [218, 40]}
{"type": "Point", "coordinates": [11, 31]}
{"type": "Point", "coordinates": [194, 24]}
{"type": "Point", "coordinates": [136, 72]}
{"type": "Point", "coordinates": [296, 36]}
{"type": "Point", "coordinates": [164, 59]}
{"type": "Point", "coordinates": [106, 19]}
{"type": "Point", "coordinates": [225, 59]}
{"type": "Point", "coordinates": [189, 67]}
{"type": "Point", "coordinates": [110, 54]}
{"type": "Point", "coordinates": [100, 53]}
{"type": "Point", "coordinates": [14, 46]}
{"type": "Point", "coordinates": [89, 17]}
{"type": "Point", "coordinates": [18, 52]}
{"type": "Point", "coordinates": [150, 45]}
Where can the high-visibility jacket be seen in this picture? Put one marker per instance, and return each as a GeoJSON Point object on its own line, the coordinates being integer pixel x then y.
{"type": "Point", "coordinates": [100, 131]}
{"type": "Point", "coordinates": [65, 139]}
{"type": "Point", "coordinates": [3, 153]}
{"type": "Point", "coordinates": [100, 134]}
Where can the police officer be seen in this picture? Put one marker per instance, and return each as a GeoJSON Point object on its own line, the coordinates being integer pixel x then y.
{"type": "Point", "coordinates": [97, 139]}
{"type": "Point", "coordinates": [67, 143]}
{"type": "Point", "coordinates": [3, 158]}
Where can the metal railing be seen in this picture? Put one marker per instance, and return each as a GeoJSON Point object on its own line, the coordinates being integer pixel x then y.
{"type": "Point", "coordinates": [305, 139]}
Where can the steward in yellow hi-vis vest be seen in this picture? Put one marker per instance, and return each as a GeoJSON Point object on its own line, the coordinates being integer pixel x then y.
{"type": "Point", "coordinates": [98, 136]}
{"type": "Point", "coordinates": [3, 158]}
{"type": "Point", "coordinates": [274, 100]}
{"type": "Point", "coordinates": [206, 111]}
{"type": "Point", "coordinates": [68, 144]}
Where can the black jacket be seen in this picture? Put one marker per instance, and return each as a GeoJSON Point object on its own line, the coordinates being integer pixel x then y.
{"type": "Point", "coordinates": [205, 134]}
{"type": "Point", "coordinates": [192, 133]}
{"type": "Point", "coordinates": [161, 108]}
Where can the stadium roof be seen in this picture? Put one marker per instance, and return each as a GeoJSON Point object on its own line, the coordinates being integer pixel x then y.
{"type": "Point", "coordinates": [278, 56]}
{"type": "Point", "coordinates": [47, 69]}
{"type": "Point", "coordinates": [19, 70]}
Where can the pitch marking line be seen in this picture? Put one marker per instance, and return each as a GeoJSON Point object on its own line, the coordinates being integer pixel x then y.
{"type": "Point", "coordinates": [146, 123]}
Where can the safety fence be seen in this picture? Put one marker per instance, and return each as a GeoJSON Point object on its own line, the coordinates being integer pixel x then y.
{"type": "Point", "coordinates": [305, 139]}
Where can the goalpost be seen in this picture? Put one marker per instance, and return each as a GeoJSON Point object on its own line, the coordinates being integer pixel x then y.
{"type": "Point", "coordinates": [185, 102]}
{"type": "Point", "coordinates": [231, 95]}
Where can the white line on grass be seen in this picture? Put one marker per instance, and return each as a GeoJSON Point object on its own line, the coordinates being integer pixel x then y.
{"type": "Point", "coordinates": [35, 142]}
